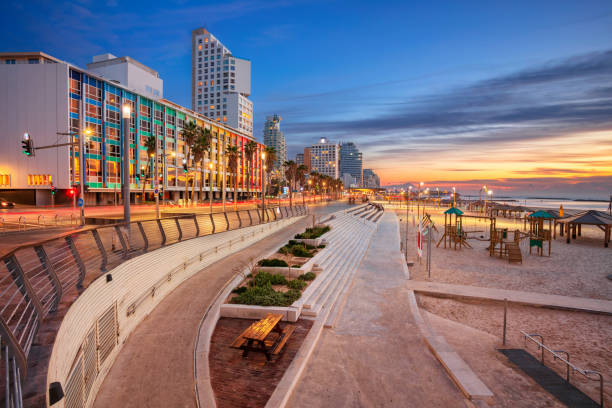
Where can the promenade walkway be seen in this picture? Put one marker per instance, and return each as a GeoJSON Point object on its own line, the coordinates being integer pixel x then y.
{"type": "Point", "coordinates": [514, 296]}
{"type": "Point", "coordinates": [375, 355]}
{"type": "Point", "coordinates": [155, 368]}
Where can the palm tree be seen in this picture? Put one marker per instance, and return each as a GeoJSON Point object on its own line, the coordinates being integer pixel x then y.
{"type": "Point", "coordinates": [233, 153]}
{"type": "Point", "coordinates": [200, 148]}
{"type": "Point", "coordinates": [291, 175]}
{"type": "Point", "coordinates": [270, 159]}
{"type": "Point", "coordinates": [190, 134]}
{"type": "Point", "coordinates": [300, 175]}
{"type": "Point", "coordinates": [151, 147]}
{"type": "Point", "coordinates": [249, 151]}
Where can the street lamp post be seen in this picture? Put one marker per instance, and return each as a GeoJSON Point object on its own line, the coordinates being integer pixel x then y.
{"type": "Point", "coordinates": [210, 184]}
{"type": "Point", "coordinates": [263, 186]}
{"type": "Point", "coordinates": [454, 193]}
{"type": "Point", "coordinates": [125, 172]}
{"type": "Point", "coordinates": [485, 200]}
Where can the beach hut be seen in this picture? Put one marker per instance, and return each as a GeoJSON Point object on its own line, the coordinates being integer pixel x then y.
{"type": "Point", "coordinates": [537, 233]}
{"type": "Point", "coordinates": [600, 219]}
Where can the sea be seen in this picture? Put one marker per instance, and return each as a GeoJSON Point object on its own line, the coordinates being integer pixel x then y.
{"type": "Point", "coordinates": [555, 203]}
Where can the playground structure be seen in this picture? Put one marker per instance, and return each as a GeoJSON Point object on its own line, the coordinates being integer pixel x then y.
{"type": "Point", "coordinates": [538, 235]}
{"type": "Point", "coordinates": [455, 232]}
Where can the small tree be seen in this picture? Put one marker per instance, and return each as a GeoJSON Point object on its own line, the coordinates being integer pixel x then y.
{"type": "Point", "coordinates": [200, 148]}
{"type": "Point", "coordinates": [300, 175]}
{"type": "Point", "coordinates": [270, 159]}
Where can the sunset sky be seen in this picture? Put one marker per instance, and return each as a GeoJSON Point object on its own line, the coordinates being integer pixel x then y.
{"type": "Point", "coordinates": [516, 94]}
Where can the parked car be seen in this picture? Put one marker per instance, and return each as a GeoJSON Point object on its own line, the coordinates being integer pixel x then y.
{"type": "Point", "coordinates": [6, 204]}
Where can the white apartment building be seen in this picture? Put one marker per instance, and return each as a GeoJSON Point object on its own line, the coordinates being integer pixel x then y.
{"type": "Point", "coordinates": [325, 158]}
{"type": "Point", "coordinates": [220, 82]}
{"type": "Point", "coordinates": [129, 72]}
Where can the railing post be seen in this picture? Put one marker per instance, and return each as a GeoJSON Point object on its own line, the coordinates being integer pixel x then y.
{"type": "Point", "coordinates": [197, 227]}
{"type": "Point", "coordinates": [178, 226]}
{"type": "Point", "coordinates": [212, 221]}
{"type": "Point", "coordinates": [226, 221]}
{"type": "Point", "coordinates": [100, 246]}
{"type": "Point", "coordinates": [77, 260]}
{"type": "Point", "coordinates": [259, 217]}
{"type": "Point", "coordinates": [250, 218]}
{"type": "Point", "coordinates": [26, 289]}
{"type": "Point", "coordinates": [161, 230]}
{"type": "Point", "coordinates": [122, 241]}
{"type": "Point", "coordinates": [12, 349]}
{"type": "Point", "coordinates": [239, 219]}
{"type": "Point", "coordinates": [144, 236]}
{"type": "Point", "coordinates": [44, 261]}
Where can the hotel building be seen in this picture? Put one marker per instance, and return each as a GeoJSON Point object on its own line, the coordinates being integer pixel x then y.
{"type": "Point", "coordinates": [273, 137]}
{"type": "Point", "coordinates": [220, 83]}
{"type": "Point", "coordinates": [351, 162]}
{"type": "Point", "coordinates": [56, 102]}
{"type": "Point", "coordinates": [325, 157]}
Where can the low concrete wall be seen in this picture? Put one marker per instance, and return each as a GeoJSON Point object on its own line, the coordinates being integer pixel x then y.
{"type": "Point", "coordinates": [290, 314]}
{"type": "Point", "coordinates": [132, 284]}
{"type": "Point", "coordinates": [286, 271]}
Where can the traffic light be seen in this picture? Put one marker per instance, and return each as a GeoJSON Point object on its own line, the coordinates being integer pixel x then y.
{"type": "Point", "coordinates": [53, 190]}
{"type": "Point", "coordinates": [26, 145]}
{"type": "Point", "coordinates": [184, 165]}
{"type": "Point", "coordinates": [70, 192]}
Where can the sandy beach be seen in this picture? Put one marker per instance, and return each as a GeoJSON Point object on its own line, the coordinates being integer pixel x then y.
{"type": "Point", "coordinates": [474, 328]}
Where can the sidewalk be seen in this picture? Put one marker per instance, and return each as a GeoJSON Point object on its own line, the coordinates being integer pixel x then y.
{"type": "Point", "coordinates": [376, 356]}
{"type": "Point", "coordinates": [514, 296]}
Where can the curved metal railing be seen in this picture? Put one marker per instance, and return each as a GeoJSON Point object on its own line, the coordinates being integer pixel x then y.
{"type": "Point", "coordinates": [34, 278]}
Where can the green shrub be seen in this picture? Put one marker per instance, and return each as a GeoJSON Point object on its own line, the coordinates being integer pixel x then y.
{"type": "Point", "coordinates": [284, 249]}
{"type": "Point", "coordinates": [272, 262]}
{"type": "Point", "coordinates": [296, 266]}
{"type": "Point", "coordinates": [308, 276]}
{"type": "Point", "coordinates": [239, 290]}
{"type": "Point", "coordinates": [321, 246]}
{"type": "Point", "coordinates": [301, 251]}
{"type": "Point", "coordinates": [265, 278]}
{"type": "Point", "coordinates": [297, 284]}
{"type": "Point", "coordinates": [266, 296]}
{"type": "Point", "coordinates": [292, 242]}
{"type": "Point", "coordinates": [312, 233]}
{"type": "Point", "coordinates": [309, 246]}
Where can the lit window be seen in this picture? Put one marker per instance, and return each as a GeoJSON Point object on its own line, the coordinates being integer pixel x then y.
{"type": "Point", "coordinates": [199, 47]}
{"type": "Point", "coordinates": [206, 39]}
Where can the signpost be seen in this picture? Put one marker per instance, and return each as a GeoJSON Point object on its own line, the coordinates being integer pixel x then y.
{"type": "Point", "coordinates": [80, 202]}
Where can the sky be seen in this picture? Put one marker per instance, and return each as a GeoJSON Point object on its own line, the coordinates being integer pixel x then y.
{"type": "Point", "coordinates": [513, 94]}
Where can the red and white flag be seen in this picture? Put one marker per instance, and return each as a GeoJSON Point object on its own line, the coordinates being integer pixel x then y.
{"type": "Point", "coordinates": [420, 239]}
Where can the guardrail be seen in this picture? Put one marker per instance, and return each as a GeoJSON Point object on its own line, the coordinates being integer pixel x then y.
{"type": "Point", "coordinates": [566, 360]}
{"type": "Point", "coordinates": [35, 278]}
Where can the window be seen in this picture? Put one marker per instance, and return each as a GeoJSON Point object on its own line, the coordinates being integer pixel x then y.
{"type": "Point", "coordinates": [33, 61]}
{"type": "Point", "coordinates": [114, 150]}
{"type": "Point", "coordinates": [39, 179]}
{"type": "Point", "coordinates": [5, 180]}
{"type": "Point", "coordinates": [9, 61]}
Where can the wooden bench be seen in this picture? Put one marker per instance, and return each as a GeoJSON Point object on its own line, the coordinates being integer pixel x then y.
{"type": "Point", "coordinates": [255, 337]}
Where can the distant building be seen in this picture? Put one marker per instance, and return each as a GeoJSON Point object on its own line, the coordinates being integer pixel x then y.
{"type": "Point", "coordinates": [349, 181]}
{"type": "Point", "coordinates": [351, 162]}
{"type": "Point", "coordinates": [128, 72]}
{"type": "Point", "coordinates": [273, 137]}
{"type": "Point", "coordinates": [308, 158]}
{"type": "Point", "coordinates": [220, 82]}
{"type": "Point", "coordinates": [370, 179]}
{"type": "Point", "coordinates": [299, 159]}
{"type": "Point", "coordinates": [325, 158]}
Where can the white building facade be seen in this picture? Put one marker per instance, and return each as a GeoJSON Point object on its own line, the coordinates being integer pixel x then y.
{"type": "Point", "coordinates": [220, 83]}
{"type": "Point", "coordinates": [325, 158]}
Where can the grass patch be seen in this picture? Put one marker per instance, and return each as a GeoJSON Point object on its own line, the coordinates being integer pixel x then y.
{"type": "Point", "coordinates": [266, 296]}
{"type": "Point", "coordinates": [265, 278]}
{"type": "Point", "coordinates": [272, 262]}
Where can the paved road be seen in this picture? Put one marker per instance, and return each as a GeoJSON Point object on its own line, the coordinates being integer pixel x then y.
{"type": "Point", "coordinates": [375, 356]}
{"type": "Point", "coordinates": [155, 367]}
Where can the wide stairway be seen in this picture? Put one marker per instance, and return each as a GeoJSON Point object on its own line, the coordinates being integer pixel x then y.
{"type": "Point", "coordinates": [347, 243]}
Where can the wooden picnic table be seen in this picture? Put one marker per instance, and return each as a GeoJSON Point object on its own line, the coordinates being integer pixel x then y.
{"type": "Point", "coordinates": [254, 337]}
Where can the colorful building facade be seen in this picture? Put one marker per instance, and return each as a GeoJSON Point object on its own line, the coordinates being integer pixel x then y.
{"type": "Point", "coordinates": [93, 110]}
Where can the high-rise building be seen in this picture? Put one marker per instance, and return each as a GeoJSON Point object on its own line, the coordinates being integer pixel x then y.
{"type": "Point", "coordinates": [308, 158]}
{"type": "Point", "coordinates": [299, 159]}
{"type": "Point", "coordinates": [325, 158]}
{"type": "Point", "coordinates": [273, 137]}
{"type": "Point", "coordinates": [220, 82]}
{"type": "Point", "coordinates": [351, 161]}
{"type": "Point", "coordinates": [71, 103]}
{"type": "Point", "coordinates": [370, 179]}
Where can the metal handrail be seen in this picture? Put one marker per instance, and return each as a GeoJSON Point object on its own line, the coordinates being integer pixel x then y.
{"type": "Point", "coordinates": [574, 368]}
{"type": "Point", "coordinates": [34, 277]}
